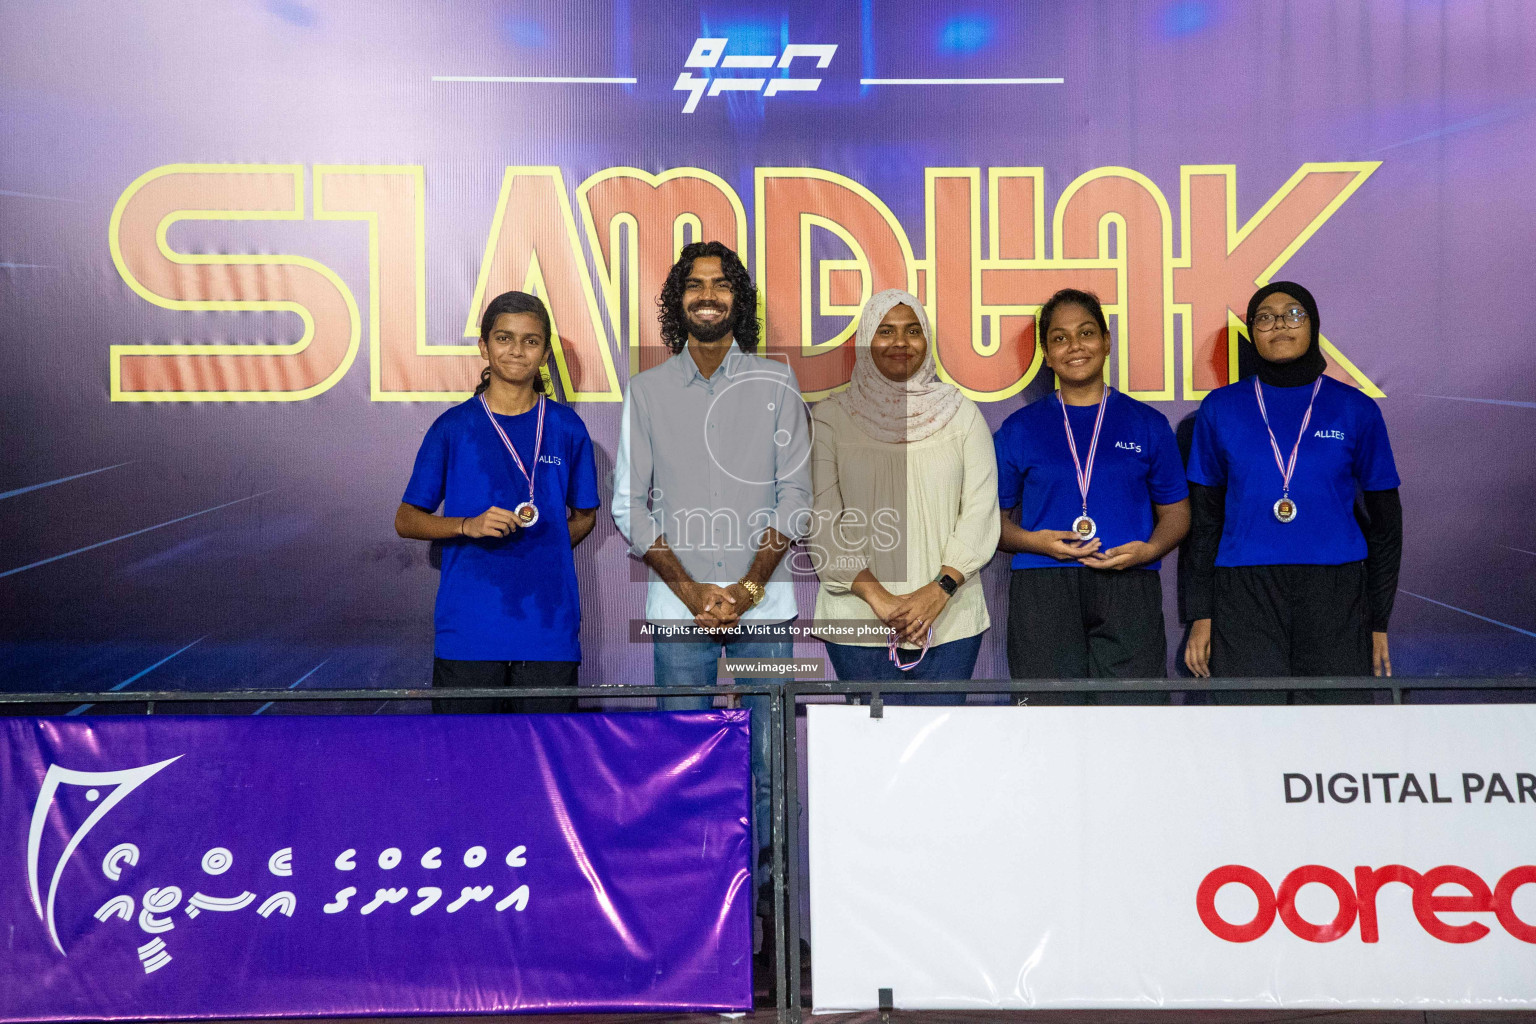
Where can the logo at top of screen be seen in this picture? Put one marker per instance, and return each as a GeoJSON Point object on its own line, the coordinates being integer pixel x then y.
{"type": "Point", "coordinates": [709, 54]}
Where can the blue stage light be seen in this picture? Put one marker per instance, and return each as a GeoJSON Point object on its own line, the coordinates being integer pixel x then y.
{"type": "Point", "coordinates": [293, 12]}
{"type": "Point", "coordinates": [1185, 17]}
{"type": "Point", "coordinates": [524, 31]}
{"type": "Point", "coordinates": [748, 37]}
{"type": "Point", "coordinates": [967, 33]}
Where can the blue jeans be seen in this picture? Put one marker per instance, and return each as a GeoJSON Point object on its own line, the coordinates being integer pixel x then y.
{"type": "Point", "coordinates": [954, 660]}
{"type": "Point", "coordinates": [692, 663]}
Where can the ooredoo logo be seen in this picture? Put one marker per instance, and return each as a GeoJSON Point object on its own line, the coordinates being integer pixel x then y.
{"type": "Point", "coordinates": [1359, 901]}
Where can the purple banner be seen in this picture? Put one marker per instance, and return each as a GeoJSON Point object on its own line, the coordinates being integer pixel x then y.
{"type": "Point", "coordinates": [305, 866]}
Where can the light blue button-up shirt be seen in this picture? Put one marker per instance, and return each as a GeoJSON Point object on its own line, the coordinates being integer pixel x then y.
{"type": "Point", "coordinates": [709, 463]}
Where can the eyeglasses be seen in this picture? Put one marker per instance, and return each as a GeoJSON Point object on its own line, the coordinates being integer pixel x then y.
{"type": "Point", "coordinates": [1270, 321]}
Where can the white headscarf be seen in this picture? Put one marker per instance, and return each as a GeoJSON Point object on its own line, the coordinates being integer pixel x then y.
{"type": "Point", "coordinates": [896, 411]}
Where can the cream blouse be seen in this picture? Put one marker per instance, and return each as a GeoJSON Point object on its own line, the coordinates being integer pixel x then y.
{"type": "Point", "coordinates": [902, 511]}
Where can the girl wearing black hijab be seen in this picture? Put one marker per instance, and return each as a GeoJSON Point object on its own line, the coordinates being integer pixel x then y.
{"type": "Point", "coordinates": [1288, 576]}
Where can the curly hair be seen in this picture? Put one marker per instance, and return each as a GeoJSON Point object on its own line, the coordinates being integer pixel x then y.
{"type": "Point", "coordinates": [674, 325]}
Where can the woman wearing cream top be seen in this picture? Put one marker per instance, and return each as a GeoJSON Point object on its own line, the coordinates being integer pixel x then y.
{"type": "Point", "coordinates": [905, 481]}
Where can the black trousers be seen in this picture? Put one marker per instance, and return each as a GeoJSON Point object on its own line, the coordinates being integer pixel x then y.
{"type": "Point", "coordinates": [1081, 623]}
{"type": "Point", "coordinates": [1290, 620]}
{"type": "Point", "coordinates": [448, 674]}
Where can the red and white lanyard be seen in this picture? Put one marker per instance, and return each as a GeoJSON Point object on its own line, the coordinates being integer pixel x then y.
{"type": "Point", "coordinates": [538, 441]}
{"type": "Point", "coordinates": [892, 653]}
{"type": "Point", "coordinates": [1286, 467]}
{"type": "Point", "coordinates": [1084, 476]}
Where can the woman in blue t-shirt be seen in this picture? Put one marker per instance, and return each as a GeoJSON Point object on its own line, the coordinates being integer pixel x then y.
{"type": "Point", "coordinates": [1289, 577]}
{"type": "Point", "coordinates": [514, 474]}
{"type": "Point", "coordinates": [1094, 496]}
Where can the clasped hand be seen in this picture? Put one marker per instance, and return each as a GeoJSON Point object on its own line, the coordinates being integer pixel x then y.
{"type": "Point", "coordinates": [910, 616]}
{"type": "Point", "coordinates": [715, 607]}
{"type": "Point", "coordinates": [1064, 546]}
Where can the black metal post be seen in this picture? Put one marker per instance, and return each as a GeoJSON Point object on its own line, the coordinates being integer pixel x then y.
{"type": "Point", "coordinates": [776, 851]}
{"type": "Point", "coordinates": [790, 742]}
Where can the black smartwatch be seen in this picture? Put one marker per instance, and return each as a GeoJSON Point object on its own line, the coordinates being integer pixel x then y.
{"type": "Point", "coordinates": [946, 583]}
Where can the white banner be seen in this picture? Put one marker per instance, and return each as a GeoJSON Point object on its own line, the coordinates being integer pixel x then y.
{"type": "Point", "coordinates": [1016, 858]}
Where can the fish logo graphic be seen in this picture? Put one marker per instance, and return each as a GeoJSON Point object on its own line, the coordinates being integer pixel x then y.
{"type": "Point", "coordinates": [123, 782]}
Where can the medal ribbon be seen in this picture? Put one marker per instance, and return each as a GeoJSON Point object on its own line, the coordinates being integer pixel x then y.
{"type": "Point", "coordinates": [1084, 476]}
{"type": "Point", "coordinates": [538, 441]}
{"type": "Point", "coordinates": [1286, 468]}
{"type": "Point", "coordinates": [896, 658]}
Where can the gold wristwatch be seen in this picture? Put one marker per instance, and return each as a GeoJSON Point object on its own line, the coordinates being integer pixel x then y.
{"type": "Point", "coordinates": [753, 590]}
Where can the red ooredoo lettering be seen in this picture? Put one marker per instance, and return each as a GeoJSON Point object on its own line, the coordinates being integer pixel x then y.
{"type": "Point", "coordinates": [1359, 901]}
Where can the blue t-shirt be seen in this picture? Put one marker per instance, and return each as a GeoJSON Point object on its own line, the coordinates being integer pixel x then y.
{"type": "Point", "coordinates": [1137, 466]}
{"type": "Point", "coordinates": [510, 598]}
{"type": "Point", "coordinates": [1345, 450]}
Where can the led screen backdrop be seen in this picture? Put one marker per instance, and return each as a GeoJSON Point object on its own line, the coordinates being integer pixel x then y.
{"type": "Point", "coordinates": [243, 248]}
{"type": "Point", "coordinates": [215, 866]}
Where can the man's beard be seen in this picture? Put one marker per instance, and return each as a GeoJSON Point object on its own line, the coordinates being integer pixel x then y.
{"type": "Point", "coordinates": [710, 332]}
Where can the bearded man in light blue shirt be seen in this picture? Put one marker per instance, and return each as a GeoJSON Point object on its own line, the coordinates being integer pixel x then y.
{"type": "Point", "coordinates": [712, 484]}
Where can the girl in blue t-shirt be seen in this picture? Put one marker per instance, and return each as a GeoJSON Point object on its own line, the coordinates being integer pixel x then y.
{"type": "Point", "coordinates": [1094, 496]}
{"type": "Point", "coordinates": [1290, 575]}
{"type": "Point", "coordinates": [514, 475]}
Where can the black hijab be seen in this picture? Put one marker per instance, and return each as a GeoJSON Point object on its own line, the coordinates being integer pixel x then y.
{"type": "Point", "coordinates": [1300, 371]}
